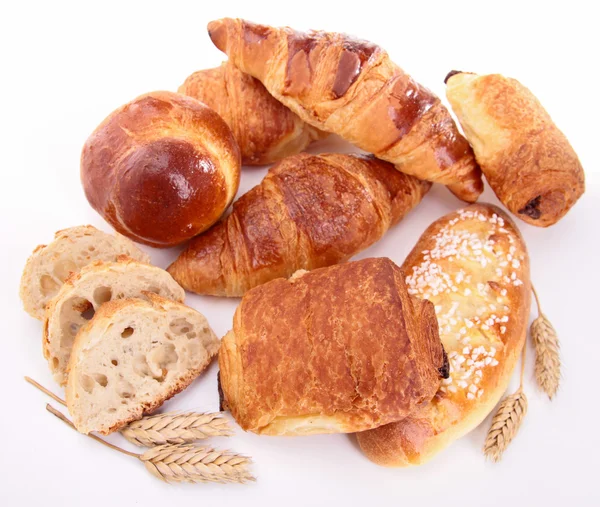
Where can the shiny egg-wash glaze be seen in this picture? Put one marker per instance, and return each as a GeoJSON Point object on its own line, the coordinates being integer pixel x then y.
{"type": "Point", "coordinates": [161, 169]}
{"type": "Point", "coordinates": [264, 128]}
{"type": "Point", "coordinates": [351, 87]}
{"type": "Point", "coordinates": [309, 211]}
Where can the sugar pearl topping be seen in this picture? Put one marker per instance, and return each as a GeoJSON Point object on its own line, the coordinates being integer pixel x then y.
{"type": "Point", "coordinates": [468, 276]}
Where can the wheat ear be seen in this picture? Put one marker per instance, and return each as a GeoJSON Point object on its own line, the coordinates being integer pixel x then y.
{"type": "Point", "coordinates": [169, 428]}
{"type": "Point", "coordinates": [547, 356]}
{"type": "Point", "coordinates": [184, 462]}
{"type": "Point", "coordinates": [176, 428]}
{"type": "Point", "coordinates": [507, 420]}
{"type": "Point", "coordinates": [188, 463]}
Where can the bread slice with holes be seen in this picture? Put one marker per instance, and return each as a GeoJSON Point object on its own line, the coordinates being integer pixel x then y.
{"type": "Point", "coordinates": [133, 356]}
{"type": "Point", "coordinates": [84, 292]}
{"type": "Point", "coordinates": [49, 265]}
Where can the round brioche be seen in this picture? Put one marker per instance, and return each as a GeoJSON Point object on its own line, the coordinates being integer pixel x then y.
{"type": "Point", "coordinates": [161, 169]}
{"type": "Point", "coordinates": [472, 264]}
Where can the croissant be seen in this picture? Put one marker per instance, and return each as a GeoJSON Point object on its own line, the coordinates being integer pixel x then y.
{"type": "Point", "coordinates": [335, 350]}
{"type": "Point", "coordinates": [351, 87]}
{"type": "Point", "coordinates": [310, 211]}
{"type": "Point", "coordinates": [527, 161]}
{"type": "Point", "coordinates": [264, 128]}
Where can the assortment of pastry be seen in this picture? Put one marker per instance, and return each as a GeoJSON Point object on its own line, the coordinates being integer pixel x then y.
{"type": "Point", "coordinates": [409, 358]}
{"type": "Point", "coordinates": [473, 266]}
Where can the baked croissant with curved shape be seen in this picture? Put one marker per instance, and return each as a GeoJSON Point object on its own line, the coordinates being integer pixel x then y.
{"type": "Point", "coordinates": [351, 87]}
{"type": "Point", "coordinates": [264, 128]}
{"type": "Point", "coordinates": [310, 211]}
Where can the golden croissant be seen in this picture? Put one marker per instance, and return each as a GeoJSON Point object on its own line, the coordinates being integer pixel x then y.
{"type": "Point", "coordinates": [351, 87]}
{"type": "Point", "coordinates": [264, 128]}
{"type": "Point", "coordinates": [310, 211]}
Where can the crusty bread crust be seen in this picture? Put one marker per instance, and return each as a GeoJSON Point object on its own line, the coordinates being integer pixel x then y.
{"type": "Point", "coordinates": [338, 349]}
{"type": "Point", "coordinates": [64, 314]}
{"type": "Point", "coordinates": [49, 265]}
{"type": "Point", "coordinates": [91, 335]}
{"type": "Point", "coordinates": [464, 264]}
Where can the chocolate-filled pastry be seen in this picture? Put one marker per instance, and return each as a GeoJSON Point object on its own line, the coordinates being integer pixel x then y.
{"type": "Point", "coordinates": [351, 87]}
{"type": "Point", "coordinates": [335, 350]}
{"type": "Point", "coordinates": [310, 211]}
{"type": "Point", "coordinates": [527, 161]}
{"type": "Point", "coordinates": [472, 264]}
{"type": "Point", "coordinates": [264, 128]}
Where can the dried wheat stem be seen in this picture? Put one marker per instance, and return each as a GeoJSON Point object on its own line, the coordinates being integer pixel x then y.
{"type": "Point", "coordinates": [62, 417]}
{"type": "Point", "coordinates": [547, 355]}
{"type": "Point", "coordinates": [177, 428]}
{"type": "Point", "coordinates": [169, 428]}
{"type": "Point", "coordinates": [184, 462]}
{"type": "Point", "coordinates": [188, 463]}
{"type": "Point", "coordinates": [45, 391]}
{"type": "Point", "coordinates": [507, 420]}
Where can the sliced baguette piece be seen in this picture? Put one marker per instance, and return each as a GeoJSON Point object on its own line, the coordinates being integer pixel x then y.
{"type": "Point", "coordinates": [49, 265]}
{"type": "Point", "coordinates": [84, 292]}
{"type": "Point", "coordinates": [133, 356]}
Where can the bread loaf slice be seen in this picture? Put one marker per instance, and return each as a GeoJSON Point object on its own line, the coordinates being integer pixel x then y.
{"type": "Point", "coordinates": [84, 292]}
{"type": "Point", "coordinates": [131, 357]}
{"type": "Point", "coordinates": [49, 265]}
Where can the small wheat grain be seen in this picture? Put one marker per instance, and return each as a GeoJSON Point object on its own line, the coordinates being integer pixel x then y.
{"type": "Point", "coordinates": [547, 356]}
{"type": "Point", "coordinates": [507, 420]}
{"type": "Point", "coordinates": [188, 463]}
{"type": "Point", "coordinates": [176, 428]}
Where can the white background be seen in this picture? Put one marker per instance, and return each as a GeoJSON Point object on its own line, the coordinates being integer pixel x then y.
{"type": "Point", "coordinates": [65, 67]}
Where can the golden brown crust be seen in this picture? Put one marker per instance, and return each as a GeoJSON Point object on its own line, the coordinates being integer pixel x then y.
{"type": "Point", "coordinates": [161, 168]}
{"type": "Point", "coordinates": [266, 130]}
{"type": "Point", "coordinates": [527, 161]}
{"type": "Point", "coordinates": [464, 264]}
{"type": "Point", "coordinates": [338, 349]}
{"type": "Point", "coordinates": [352, 88]}
{"type": "Point", "coordinates": [310, 211]}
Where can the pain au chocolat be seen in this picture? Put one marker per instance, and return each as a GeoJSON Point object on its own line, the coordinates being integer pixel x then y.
{"type": "Point", "coordinates": [334, 350]}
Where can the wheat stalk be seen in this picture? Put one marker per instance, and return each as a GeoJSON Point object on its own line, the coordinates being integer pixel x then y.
{"type": "Point", "coordinates": [184, 462]}
{"type": "Point", "coordinates": [176, 428]}
{"type": "Point", "coordinates": [188, 463]}
{"type": "Point", "coordinates": [547, 357]}
{"type": "Point", "coordinates": [507, 420]}
{"type": "Point", "coordinates": [169, 428]}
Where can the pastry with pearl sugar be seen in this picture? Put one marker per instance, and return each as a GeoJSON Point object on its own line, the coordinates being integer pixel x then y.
{"type": "Point", "coordinates": [473, 266]}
